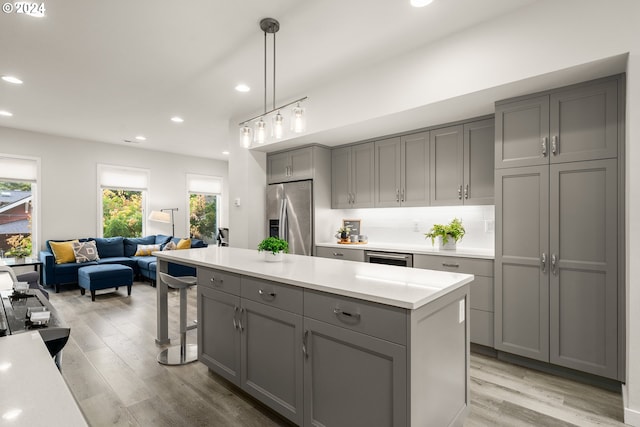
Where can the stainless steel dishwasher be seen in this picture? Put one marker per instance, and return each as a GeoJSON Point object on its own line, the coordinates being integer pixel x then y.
{"type": "Point", "coordinates": [390, 258]}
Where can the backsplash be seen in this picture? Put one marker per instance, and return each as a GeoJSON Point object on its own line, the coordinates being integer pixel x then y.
{"type": "Point", "coordinates": [408, 225]}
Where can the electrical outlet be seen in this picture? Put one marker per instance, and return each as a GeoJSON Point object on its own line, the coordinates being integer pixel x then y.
{"type": "Point", "coordinates": [416, 226]}
{"type": "Point", "coordinates": [489, 226]}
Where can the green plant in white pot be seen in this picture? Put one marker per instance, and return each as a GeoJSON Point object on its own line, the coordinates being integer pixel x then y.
{"type": "Point", "coordinates": [447, 235]}
{"type": "Point", "coordinates": [273, 248]}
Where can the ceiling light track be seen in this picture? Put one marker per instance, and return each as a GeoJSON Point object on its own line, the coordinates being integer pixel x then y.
{"type": "Point", "coordinates": [298, 116]}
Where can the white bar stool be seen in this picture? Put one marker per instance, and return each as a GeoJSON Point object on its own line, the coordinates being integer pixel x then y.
{"type": "Point", "coordinates": [184, 353]}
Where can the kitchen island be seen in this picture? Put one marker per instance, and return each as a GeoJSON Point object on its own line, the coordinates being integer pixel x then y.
{"type": "Point", "coordinates": [330, 342]}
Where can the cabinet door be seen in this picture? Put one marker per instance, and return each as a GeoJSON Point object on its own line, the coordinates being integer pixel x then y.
{"type": "Point", "coordinates": [479, 143]}
{"type": "Point", "coordinates": [584, 123]}
{"type": "Point", "coordinates": [362, 175]}
{"type": "Point", "coordinates": [415, 170]}
{"type": "Point", "coordinates": [583, 286]}
{"type": "Point", "coordinates": [272, 358]}
{"type": "Point", "coordinates": [446, 150]}
{"type": "Point", "coordinates": [387, 172]}
{"type": "Point", "coordinates": [219, 340]}
{"type": "Point", "coordinates": [341, 178]}
{"type": "Point", "coordinates": [352, 379]}
{"type": "Point", "coordinates": [521, 279]}
{"type": "Point", "coordinates": [277, 167]}
{"type": "Point", "coordinates": [522, 133]}
{"type": "Point", "coordinates": [301, 164]}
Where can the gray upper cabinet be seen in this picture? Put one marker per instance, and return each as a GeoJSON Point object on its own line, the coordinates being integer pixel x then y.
{"type": "Point", "coordinates": [402, 171]}
{"type": "Point", "coordinates": [567, 125]}
{"type": "Point", "coordinates": [522, 262]}
{"type": "Point", "coordinates": [290, 165]}
{"type": "Point", "coordinates": [446, 164]}
{"type": "Point", "coordinates": [479, 141]}
{"type": "Point", "coordinates": [583, 279]}
{"type": "Point", "coordinates": [352, 176]}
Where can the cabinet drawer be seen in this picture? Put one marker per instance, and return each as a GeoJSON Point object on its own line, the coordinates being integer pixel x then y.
{"type": "Point", "coordinates": [481, 327]}
{"type": "Point", "coordinates": [480, 267]}
{"type": "Point", "coordinates": [285, 297]}
{"type": "Point", "coordinates": [341, 253]}
{"type": "Point", "coordinates": [219, 280]}
{"type": "Point", "coordinates": [482, 293]}
{"type": "Point", "coordinates": [377, 320]}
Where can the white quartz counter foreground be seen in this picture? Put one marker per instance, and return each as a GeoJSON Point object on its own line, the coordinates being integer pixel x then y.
{"type": "Point", "coordinates": [32, 390]}
{"type": "Point", "coordinates": [425, 249]}
{"type": "Point", "coordinates": [403, 287]}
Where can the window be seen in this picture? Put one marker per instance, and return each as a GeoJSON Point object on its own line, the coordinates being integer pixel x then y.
{"type": "Point", "coordinates": [204, 204]}
{"type": "Point", "coordinates": [122, 200]}
{"type": "Point", "coordinates": [18, 183]}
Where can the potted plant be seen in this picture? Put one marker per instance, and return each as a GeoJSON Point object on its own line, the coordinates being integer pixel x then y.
{"type": "Point", "coordinates": [343, 234]}
{"type": "Point", "coordinates": [20, 246]}
{"type": "Point", "coordinates": [273, 248]}
{"type": "Point", "coordinates": [447, 235]}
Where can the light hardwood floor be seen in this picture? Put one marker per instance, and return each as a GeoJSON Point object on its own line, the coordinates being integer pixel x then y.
{"type": "Point", "coordinates": [110, 366]}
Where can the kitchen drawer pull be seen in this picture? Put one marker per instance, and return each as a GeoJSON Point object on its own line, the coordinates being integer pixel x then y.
{"type": "Point", "coordinates": [466, 191]}
{"type": "Point", "coordinates": [305, 339]}
{"type": "Point", "coordinates": [235, 322]}
{"type": "Point", "coordinates": [397, 195]}
{"type": "Point", "coordinates": [544, 146]}
{"type": "Point", "coordinates": [213, 280]}
{"type": "Point", "coordinates": [265, 293]}
{"type": "Point", "coordinates": [445, 264]}
{"type": "Point", "coordinates": [460, 192]}
{"type": "Point", "coordinates": [338, 254]}
{"type": "Point", "coordinates": [340, 312]}
{"type": "Point", "coordinates": [554, 145]}
{"type": "Point", "coordinates": [240, 319]}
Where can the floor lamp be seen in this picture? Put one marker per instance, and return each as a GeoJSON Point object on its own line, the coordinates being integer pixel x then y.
{"type": "Point", "coordinates": [163, 215]}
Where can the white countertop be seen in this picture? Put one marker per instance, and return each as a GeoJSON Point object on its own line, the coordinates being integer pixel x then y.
{"type": "Point", "coordinates": [32, 390]}
{"type": "Point", "coordinates": [425, 249]}
{"type": "Point", "coordinates": [403, 287]}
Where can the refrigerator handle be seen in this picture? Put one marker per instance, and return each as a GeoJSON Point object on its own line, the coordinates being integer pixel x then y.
{"type": "Point", "coordinates": [282, 218]}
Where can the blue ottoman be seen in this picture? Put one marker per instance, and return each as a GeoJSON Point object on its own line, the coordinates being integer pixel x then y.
{"type": "Point", "coordinates": [94, 277]}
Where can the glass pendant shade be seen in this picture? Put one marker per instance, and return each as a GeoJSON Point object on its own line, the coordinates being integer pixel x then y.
{"type": "Point", "coordinates": [278, 126]}
{"type": "Point", "coordinates": [260, 134]}
{"type": "Point", "coordinates": [298, 119]}
{"type": "Point", "coordinates": [245, 136]}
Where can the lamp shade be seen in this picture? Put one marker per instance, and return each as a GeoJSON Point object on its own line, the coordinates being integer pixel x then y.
{"type": "Point", "coordinates": [160, 216]}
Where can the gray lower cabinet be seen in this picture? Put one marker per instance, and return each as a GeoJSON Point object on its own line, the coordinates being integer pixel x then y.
{"type": "Point", "coordinates": [565, 125]}
{"type": "Point", "coordinates": [352, 176]}
{"type": "Point", "coordinates": [556, 291]}
{"type": "Point", "coordinates": [481, 315]}
{"type": "Point", "coordinates": [340, 253]}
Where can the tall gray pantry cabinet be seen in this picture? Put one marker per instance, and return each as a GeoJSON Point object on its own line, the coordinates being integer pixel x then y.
{"type": "Point", "coordinates": [558, 222]}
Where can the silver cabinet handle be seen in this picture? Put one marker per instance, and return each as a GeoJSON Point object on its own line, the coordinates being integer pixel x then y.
{"type": "Point", "coordinates": [338, 254]}
{"type": "Point", "coordinates": [545, 141]}
{"type": "Point", "coordinates": [339, 312]}
{"type": "Point", "coordinates": [466, 191]}
{"type": "Point", "coordinates": [265, 293]}
{"type": "Point", "coordinates": [242, 310]}
{"type": "Point", "coordinates": [402, 195]}
{"type": "Point", "coordinates": [235, 313]}
{"type": "Point", "coordinates": [543, 261]}
{"type": "Point", "coordinates": [445, 264]}
{"type": "Point", "coordinates": [353, 198]}
{"type": "Point", "coordinates": [554, 260]}
{"type": "Point", "coordinates": [305, 340]}
{"type": "Point", "coordinates": [213, 280]}
{"type": "Point", "coordinates": [397, 195]}
{"type": "Point", "coordinates": [554, 145]}
{"type": "Point", "coordinates": [460, 192]}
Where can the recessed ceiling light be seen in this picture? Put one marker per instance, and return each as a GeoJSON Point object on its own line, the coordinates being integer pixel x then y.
{"type": "Point", "coordinates": [12, 79]}
{"type": "Point", "coordinates": [141, 138]}
{"type": "Point", "coordinates": [5, 113]}
{"type": "Point", "coordinates": [241, 87]}
{"type": "Point", "coordinates": [226, 153]}
{"type": "Point", "coordinates": [177, 119]}
{"type": "Point", "coordinates": [420, 3]}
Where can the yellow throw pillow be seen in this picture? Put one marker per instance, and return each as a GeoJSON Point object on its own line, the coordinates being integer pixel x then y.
{"type": "Point", "coordinates": [145, 250]}
{"type": "Point", "coordinates": [63, 251]}
{"type": "Point", "coordinates": [184, 244]}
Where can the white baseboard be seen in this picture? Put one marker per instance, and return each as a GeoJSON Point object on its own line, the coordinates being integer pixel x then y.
{"type": "Point", "coordinates": [631, 417]}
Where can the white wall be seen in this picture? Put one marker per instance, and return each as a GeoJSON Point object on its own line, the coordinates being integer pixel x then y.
{"type": "Point", "coordinates": [546, 37]}
{"type": "Point", "coordinates": [68, 181]}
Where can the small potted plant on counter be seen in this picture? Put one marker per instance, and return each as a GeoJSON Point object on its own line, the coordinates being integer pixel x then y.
{"type": "Point", "coordinates": [343, 234]}
{"type": "Point", "coordinates": [273, 248]}
{"type": "Point", "coordinates": [447, 235]}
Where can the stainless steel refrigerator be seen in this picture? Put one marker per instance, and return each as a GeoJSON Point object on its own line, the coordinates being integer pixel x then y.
{"type": "Point", "coordinates": [290, 214]}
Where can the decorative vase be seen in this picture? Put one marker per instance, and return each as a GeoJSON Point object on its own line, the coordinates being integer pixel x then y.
{"type": "Point", "coordinates": [450, 245]}
{"type": "Point", "coordinates": [271, 257]}
{"type": "Point", "coordinates": [19, 260]}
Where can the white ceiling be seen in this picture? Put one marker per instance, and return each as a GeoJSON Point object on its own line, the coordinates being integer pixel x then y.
{"type": "Point", "coordinates": [110, 70]}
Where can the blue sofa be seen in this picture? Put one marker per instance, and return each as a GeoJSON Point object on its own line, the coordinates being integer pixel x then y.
{"type": "Point", "coordinates": [114, 250]}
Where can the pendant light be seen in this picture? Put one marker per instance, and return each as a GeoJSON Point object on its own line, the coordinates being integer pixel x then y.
{"type": "Point", "coordinates": [298, 117]}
